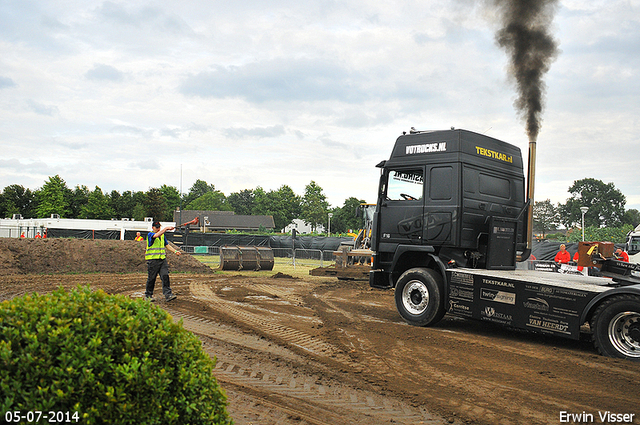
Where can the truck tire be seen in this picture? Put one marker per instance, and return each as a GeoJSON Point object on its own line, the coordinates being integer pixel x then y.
{"type": "Point", "coordinates": [419, 297]}
{"type": "Point", "coordinates": [616, 327]}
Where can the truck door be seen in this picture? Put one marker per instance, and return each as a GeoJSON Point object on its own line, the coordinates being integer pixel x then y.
{"type": "Point", "coordinates": [441, 204]}
{"type": "Point", "coordinates": [401, 206]}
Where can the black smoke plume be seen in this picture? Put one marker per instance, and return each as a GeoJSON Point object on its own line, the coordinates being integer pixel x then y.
{"type": "Point", "coordinates": [525, 35]}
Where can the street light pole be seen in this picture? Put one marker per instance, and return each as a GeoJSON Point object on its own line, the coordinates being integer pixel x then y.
{"type": "Point", "coordinates": [584, 211]}
{"type": "Point", "coordinates": [330, 215]}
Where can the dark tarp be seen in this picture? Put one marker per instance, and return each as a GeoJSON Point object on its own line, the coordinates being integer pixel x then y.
{"type": "Point", "coordinates": [222, 239]}
{"type": "Point", "coordinates": [83, 234]}
{"type": "Point", "coordinates": [309, 242]}
{"type": "Point", "coordinates": [219, 239]}
{"type": "Point", "coordinates": [129, 235]}
{"type": "Point", "coordinates": [547, 250]}
{"type": "Point", "coordinates": [211, 239]}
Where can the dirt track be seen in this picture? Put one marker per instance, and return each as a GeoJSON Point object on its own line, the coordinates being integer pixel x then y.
{"type": "Point", "coordinates": [323, 351]}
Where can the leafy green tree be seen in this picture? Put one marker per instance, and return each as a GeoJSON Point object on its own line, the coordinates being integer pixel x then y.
{"type": "Point", "coordinates": [16, 199]}
{"type": "Point", "coordinates": [605, 203]}
{"type": "Point", "coordinates": [51, 198]}
{"type": "Point", "coordinates": [315, 207]}
{"type": "Point", "coordinates": [128, 205]}
{"type": "Point", "coordinates": [115, 202]}
{"type": "Point", "coordinates": [139, 212]}
{"type": "Point", "coordinates": [345, 218]}
{"type": "Point", "coordinates": [545, 217]}
{"type": "Point", "coordinates": [155, 205]}
{"type": "Point", "coordinates": [138, 197]}
{"type": "Point", "coordinates": [601, 234]}
{"type": "Point", "coordinates": [6, 209]}
{"type": "Point", "coordinates": [210, 201]}
{"type": "Point", "coordinates": [282, 204]}
{"type": "Point", "coordinates": [260, 202]}
{"type": "Point", "coordinates": [77, 199]}
{"type": "Point", "coordinates": [243, 202]}
{"type": "Point", "coordinates": [171, 198]}
{"type": "Point", "coordinates": [199, 188]}
{"type": "Point", "coordinates": [97, 206]}
{"type": "Point", "coordinates": [631, 217]}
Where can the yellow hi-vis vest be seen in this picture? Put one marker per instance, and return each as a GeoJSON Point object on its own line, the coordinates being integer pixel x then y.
{"type": "Point", "coordinates": [155, 251]}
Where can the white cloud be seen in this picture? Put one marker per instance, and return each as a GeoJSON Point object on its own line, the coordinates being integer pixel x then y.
{"type": "Point", "coordinates": [42, 109]}
{"type": "Point", "coordinates": [6, 82]}
{"type": "Point", "coordinates": [121, 94]}
{"type": "Point", "coordinates": [104, 72]}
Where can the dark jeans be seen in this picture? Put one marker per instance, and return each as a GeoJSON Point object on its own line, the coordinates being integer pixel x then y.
{"type": "Point", "coordinates": [156, 267]}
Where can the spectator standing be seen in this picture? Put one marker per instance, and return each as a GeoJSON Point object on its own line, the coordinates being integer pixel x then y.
{"type": "Point", "coordinates": [563, 256]}
{"type": "Point", "coordinates": [621, 255]}
{"type": "Point", "coordinates": [576, 257]}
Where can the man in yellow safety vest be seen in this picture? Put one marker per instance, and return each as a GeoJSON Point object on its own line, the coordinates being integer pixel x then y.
{"type": "Point", "coordinates": [156, 257]}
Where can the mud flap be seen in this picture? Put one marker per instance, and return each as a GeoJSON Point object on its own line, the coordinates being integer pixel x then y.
{"type": "Point", "coordinates": [379, 279]}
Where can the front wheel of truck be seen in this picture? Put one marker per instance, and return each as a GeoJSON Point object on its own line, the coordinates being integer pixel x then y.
{"type": "Point", "coordinates": [419, 297]}
{"type": "Point", "coordinates": [616, 327]}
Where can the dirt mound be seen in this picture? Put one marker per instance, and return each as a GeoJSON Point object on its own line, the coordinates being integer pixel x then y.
{"type": "Point", "coordinates": [20, 256]}
{"type": "Point", "coordinates": [283, 276]}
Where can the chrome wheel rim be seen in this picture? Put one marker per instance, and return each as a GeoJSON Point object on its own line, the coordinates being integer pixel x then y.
{"type": "Point", "coordinates": [624, 333]}
{"type": "Point", "coordinates": [415, 297]}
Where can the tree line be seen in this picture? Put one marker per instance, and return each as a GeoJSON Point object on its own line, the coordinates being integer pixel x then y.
{"type": "Point", "coordinates": [55, 197]}
{"type": "Point", "coordinates": [605, 203]}
{"type": "Point", "coordinates": [606, 210]}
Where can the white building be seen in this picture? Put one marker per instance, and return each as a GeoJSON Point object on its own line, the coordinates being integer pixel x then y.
{"type": "Point", "coordinates": [15, 227]}
{"type": "Point", "coordinates": [302, 227]}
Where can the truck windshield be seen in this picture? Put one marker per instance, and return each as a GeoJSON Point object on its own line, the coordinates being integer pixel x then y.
{"type": "Point", "coordinates": [634, 245]}
{"type": "Point", "coordinates": [405, 185]}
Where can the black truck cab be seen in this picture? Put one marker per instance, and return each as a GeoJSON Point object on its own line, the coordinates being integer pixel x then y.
{"type": "Point", "coordinates": [451, 222]}
{"type": "Point", "coordinates": [451, 195]}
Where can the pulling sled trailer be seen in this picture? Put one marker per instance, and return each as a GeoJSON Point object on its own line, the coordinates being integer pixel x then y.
{"type": "Point", "coordinates": [452, 221]}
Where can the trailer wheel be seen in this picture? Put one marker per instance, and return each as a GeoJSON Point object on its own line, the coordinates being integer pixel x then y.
{"type": "Point", "coordinates": [616, 327]}
{"type": "Point", "coordinates": [419, 297]}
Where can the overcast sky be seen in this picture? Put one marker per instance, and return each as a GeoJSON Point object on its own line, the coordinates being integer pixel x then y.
{"type": "Point", "coordinates": [125, 94]}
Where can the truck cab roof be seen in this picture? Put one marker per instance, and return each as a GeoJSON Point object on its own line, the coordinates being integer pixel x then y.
{"type": "Point", "coordinates": [454, 146]}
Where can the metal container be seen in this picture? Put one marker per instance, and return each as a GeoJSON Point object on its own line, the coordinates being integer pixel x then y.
{"type": "Point", "coordinates": [246, 258]}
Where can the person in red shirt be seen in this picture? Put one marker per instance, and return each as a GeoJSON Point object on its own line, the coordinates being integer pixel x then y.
{"type": "Point", "coordinates": [576, 256]}
{"type": "Point", "coordinates": [563, 256]}
{"type": "Point", "coordinates": [621, 255]}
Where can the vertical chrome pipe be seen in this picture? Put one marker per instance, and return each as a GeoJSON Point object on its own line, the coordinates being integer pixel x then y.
{"type": "Point", "coordinates": [531, 179]}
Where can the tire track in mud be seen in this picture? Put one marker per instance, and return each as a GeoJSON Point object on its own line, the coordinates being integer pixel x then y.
{"type": "Point", "coordinates": [417, 372]}
{"type": "Point", "coordinates": [375, 363]}
{"type": "Point", "coordinates": [474, 400]}
{"type": "Point", "coordinates": [309, 397]}
{"type": "Point", "coordinates": [281, 292]}
{"type": "Point", "coordinates": [292, 336]}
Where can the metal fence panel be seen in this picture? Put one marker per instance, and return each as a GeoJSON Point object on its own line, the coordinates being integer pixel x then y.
{"type": "Point", "coordinates": [301, 256]}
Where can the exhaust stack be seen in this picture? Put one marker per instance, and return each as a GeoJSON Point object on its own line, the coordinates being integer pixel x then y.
{"type": "Point", "coordinates": [525, 36]}
{"type": "Point", "coordinates": [531, 180]}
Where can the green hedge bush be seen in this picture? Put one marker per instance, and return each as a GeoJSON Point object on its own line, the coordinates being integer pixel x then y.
{"type": "Point", "coordinates": [112, 359]}
{"type": "Point", "coordinates": [602, 234]}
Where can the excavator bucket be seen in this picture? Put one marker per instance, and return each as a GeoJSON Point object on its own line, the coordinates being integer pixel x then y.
{"type": "Point", "coordinates": [246, 258]}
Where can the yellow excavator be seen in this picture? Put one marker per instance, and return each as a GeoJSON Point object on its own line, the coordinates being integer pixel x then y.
{"type": "Point", "coordinates": [353, 258]}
